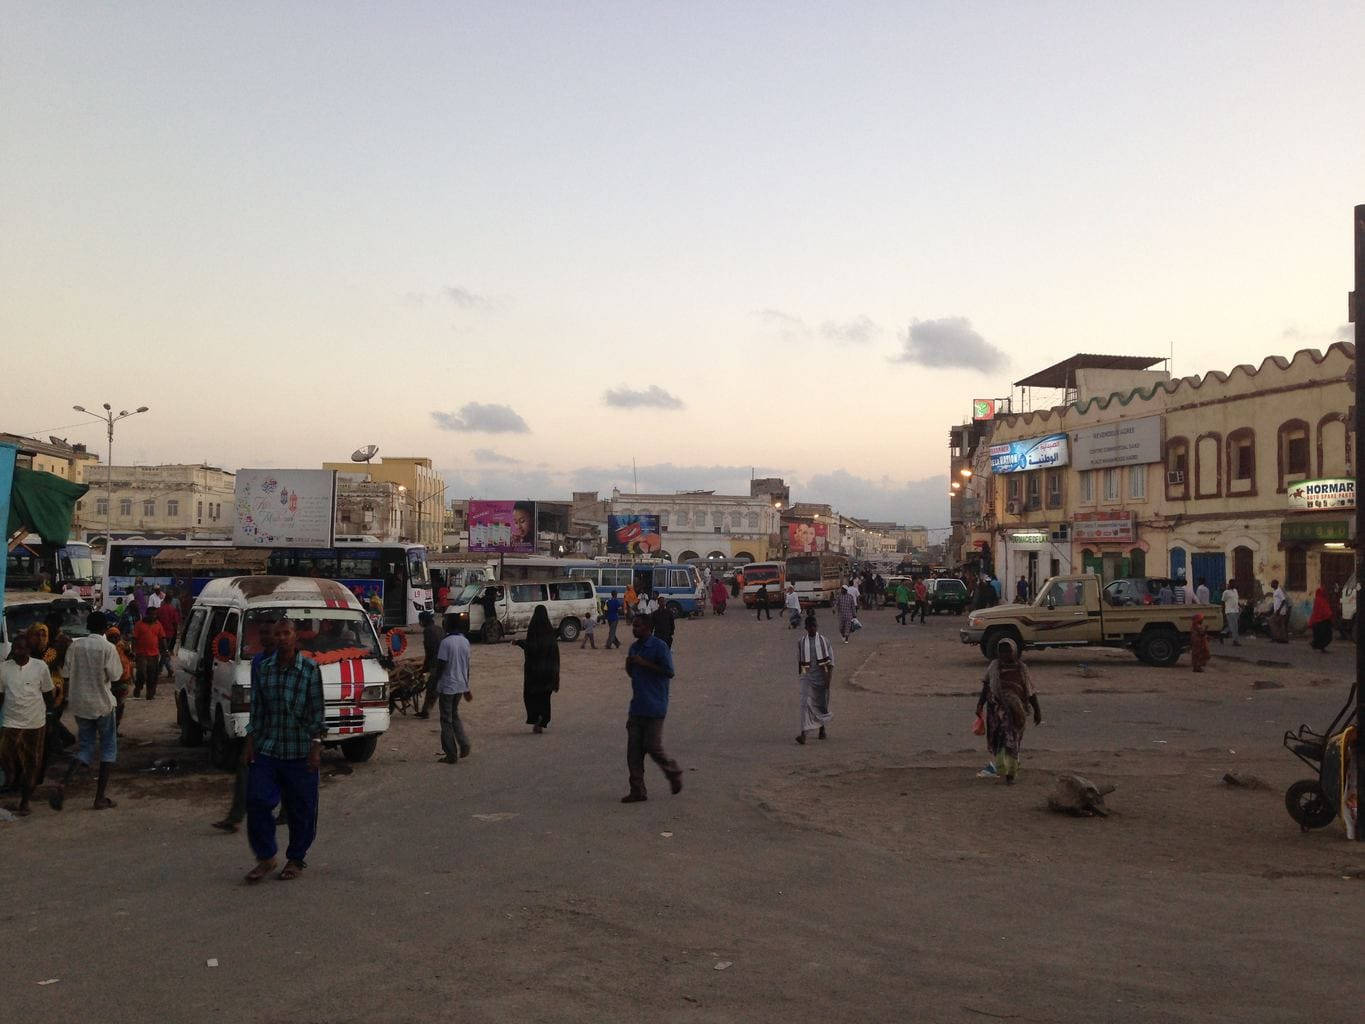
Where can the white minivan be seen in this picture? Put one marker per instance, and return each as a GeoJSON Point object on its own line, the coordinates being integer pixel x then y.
{"type": "Point", "coordinates": [568, 602]}
{"type": "Point", "coordinates": [222, 634]}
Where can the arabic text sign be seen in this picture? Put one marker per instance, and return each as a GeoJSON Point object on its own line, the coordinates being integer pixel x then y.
{"type": "Point", "coordinates": [1315, 495]}
{"type": "Point", "coordinates": [1124, 443]}
{"type": "Point", "coordinates": [506, 526]}
{"type": "Point", "coordinates": [1030, 453]}
{"type": "Point", "coordinates": [1114, 527]}
{"type": "Point", "coordinates": [284, 508]}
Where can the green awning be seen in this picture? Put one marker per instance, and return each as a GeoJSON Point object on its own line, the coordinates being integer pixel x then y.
{"type": "Point", "coordinates": [44, 504]}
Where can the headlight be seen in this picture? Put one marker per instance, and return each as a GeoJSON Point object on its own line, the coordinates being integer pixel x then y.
{"type": "Point", "coordinates": [973, 622]}
{"type": "Point", "coordinates": [375, 691]}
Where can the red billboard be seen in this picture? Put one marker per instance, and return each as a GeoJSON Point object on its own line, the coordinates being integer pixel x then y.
{"type": "Point", "coordinates": [807, 538]}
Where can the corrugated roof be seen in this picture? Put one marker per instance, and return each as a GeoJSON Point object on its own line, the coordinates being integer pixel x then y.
{"type": "Point", "coordinates": [1063, 374]}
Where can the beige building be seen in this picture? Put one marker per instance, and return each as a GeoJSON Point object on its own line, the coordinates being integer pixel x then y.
{"type": "Point", "coordinates": [423, 491]}
{"type": "Point", "coordinates": [168, 501]}
{"type": "Point", "coordinates": [703, 524]}
{"type": "Point", "coordinates": [1208, 477]}
{"type": "Point", "coordinates": [370, 508]}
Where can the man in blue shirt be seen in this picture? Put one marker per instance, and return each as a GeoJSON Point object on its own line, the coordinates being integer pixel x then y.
{"type": "Point", "coordinates": [649, 663]}
{"type": "Point", "coordinates": [613, 617]}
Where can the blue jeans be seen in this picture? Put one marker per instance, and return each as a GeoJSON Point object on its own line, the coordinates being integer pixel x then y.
{"type": "Point", "coordinates": [269, 779]}
{"type": "Point", "coordinates": [103, 729]}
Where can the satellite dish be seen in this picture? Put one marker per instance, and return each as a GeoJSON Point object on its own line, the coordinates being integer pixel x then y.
{"type": "Point", "coordinates": [365, 454]}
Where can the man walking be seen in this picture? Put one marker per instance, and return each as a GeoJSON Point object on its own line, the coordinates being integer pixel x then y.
{"type": "Point", "coordinates": [1279, 613]}
{"type": "Point", "coordinates": [1021, 591]}
{"type": "Point", "coordinates": [147, 636]}
{"type": "Point", "coordinates": [846, 607]}
{"type": "Point", "coordinates": [649, 663]}
{"type": "Point", "coordinates": [26, 700]}
{"type": "Point", "coordinates": [792, 605]}
{"type": "Point", "coordinates": [284, 752]}
{"type": "Point", "coordinates": [1232, 610]}
{"type": "Point", "coordinates": [452, 686]}
{"type": "Point", "coordinates": [815, 669]}
{"type": "Point", "coordinates": [613, 619]}
{"type": "Point", "coordinates": [902, 602]}
{"type": "Point", "coordinates": [168, 618]}
{"type": "Point", "coordinates": [761, 603]}
{"type": "Point", "coordinates": [431, 643]}
{"type": "Point", "coordinates": [91, 668]}
{"type": "Point", "coordinates": [921, 601]}
{"type": "Point", "coordinates": [664, 624]}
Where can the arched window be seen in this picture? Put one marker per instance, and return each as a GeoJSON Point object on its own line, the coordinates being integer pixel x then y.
{"type": "Point", "coordinates": [1208, 466]}
{"type": "Point", "coordinates": [1292, 458]}
{"type": "Point", "coordinates": [1177, 563]}
{"type": "Point", "coordinates": [1334, 456]}
{"type": "Point", "coordinates": [1177, 469]}
{"type": "Point", "coordinates": [1243, 569]}
{"type": "Point", "coordinates": [1241, 462]}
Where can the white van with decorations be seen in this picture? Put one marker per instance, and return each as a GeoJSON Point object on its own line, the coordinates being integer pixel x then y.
{"type": "Point", "coordinates": [568, 602]}
{"type": "Point", "coordinates": [222, 636]}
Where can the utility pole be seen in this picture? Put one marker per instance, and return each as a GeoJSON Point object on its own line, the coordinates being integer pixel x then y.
{"type": "Point", "coordinates": [1359, 295]}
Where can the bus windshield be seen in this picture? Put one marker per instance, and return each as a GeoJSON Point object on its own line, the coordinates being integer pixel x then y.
{"type": "Point", "coordinates": [762, 574]}
{"type": "Point", "coordinates": [75, 564]}
{"type": "Point", "coordinates": [321, 631]}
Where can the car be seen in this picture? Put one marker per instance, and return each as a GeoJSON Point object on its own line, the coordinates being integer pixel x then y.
{"type": "Point", "coordinates": [948, 594]}
{"type": "Point", "coordinates": [27, 608]}
{"type": "Point", "coordinates": [892, 582]}
{"type": "Point", "coordinates": [1136, 590]}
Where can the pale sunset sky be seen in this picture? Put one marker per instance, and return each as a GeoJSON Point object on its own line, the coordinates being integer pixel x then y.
{"type": "Point", "coordinates": [534, 241]}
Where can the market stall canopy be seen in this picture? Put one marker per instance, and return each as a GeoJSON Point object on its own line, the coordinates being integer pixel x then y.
{"type": "Point", "coordinates": [215, 561]}
{"type": "Point", "coordinates": [43, 503]}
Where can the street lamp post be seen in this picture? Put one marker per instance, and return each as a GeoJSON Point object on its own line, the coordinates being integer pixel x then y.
{"type": "Point", "coordinates": [109, 418]}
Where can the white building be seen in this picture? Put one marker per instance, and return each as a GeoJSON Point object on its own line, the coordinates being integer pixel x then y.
{"type": "Point", "coordinates": [168, 501]}
{"type": "Point", "coordinates": [703, 524]}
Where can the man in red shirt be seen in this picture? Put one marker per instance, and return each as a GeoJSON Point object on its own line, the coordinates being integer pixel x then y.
{"type": "Point", "coordinates": [168, 617]}
{"type": "Point", "coordinates": [147, 636]}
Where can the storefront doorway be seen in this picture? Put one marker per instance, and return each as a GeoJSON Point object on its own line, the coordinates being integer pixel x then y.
{"type": "Point", "coordinates": [1335, 568]}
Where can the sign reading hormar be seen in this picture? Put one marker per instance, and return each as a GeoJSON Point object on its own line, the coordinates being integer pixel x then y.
{"type": "Point", "coordinates": [1316, 495]}
{"type": "Point", "coordinates": [285, 508]}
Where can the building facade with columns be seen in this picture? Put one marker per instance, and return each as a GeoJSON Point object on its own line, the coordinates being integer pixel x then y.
{"type": "Point", "coordinates": [173, 501]}
{"type": "Point", "coordinates": [703, 524]}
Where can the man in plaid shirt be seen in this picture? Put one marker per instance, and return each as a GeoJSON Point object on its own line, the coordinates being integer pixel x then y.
{"type": "Point", "coordinates": [284, 752]}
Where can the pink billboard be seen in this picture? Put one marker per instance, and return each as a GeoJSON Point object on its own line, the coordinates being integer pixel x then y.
{"type": "Point", "coordinates": [503, 526]}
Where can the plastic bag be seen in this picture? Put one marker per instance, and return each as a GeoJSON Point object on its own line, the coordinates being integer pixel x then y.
{"type": "Point", "coordinates": [855, 625]}
{"type": "Point", "coordinates": [979, 724]}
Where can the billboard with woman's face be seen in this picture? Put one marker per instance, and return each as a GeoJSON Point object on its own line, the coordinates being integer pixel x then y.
{"type": "Point", "coordinates": [633, 535]}
{"type": "Point", "coordinates": [807, 538]}
{"type": "Point", "coordinates": [503, 526]}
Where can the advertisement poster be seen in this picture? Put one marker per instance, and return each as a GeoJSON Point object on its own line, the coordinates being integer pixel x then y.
{"type": "Point", "coordinates": [285, 508]}
{"type": "Point", "coordinates": [1316, 495]}
{"type": "Point", "coordinates": [1030, 453]}
{"type": "Point", "coordinates": [508, 527]}
{"type": "Point", "coordinates": [1125, 443]}
{"type": "Point", "coordinates": [1111, 527]}
{"type": "Point", "coordinates": [807, 538]}
{"type": "Point", "coordinates": [983, 408]}
{"type": "Point", "coordinates": [633, 535]}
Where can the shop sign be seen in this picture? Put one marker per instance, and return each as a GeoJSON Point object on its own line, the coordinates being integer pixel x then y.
{"type": "Point", "coordinates": [1322, 531]}
{"type": "Point", "coordinates": [1110, 527]}
{"type": "Point", "coordinates": [1125, 443]}
{"type": "Point", "coordinates": [1030, 453]}
{"type": "Point", "coordinates": [1313, 495]}
{"type": "Point", "coordinates": [983, 408]}
{"type": "Point", "coordinates": [1024, 538]}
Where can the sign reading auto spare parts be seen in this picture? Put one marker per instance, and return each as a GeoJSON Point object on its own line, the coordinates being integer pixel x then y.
{"type": "Point", "coordinates": [1114, 527]}
{"type": "Point", "coordinates": [1317, 495]}
{"type": "Point", "coordinates": [1031, 453]}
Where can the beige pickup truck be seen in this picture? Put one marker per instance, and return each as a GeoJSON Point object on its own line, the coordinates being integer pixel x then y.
{"type": "Point", "coordinates": [1068, 612]}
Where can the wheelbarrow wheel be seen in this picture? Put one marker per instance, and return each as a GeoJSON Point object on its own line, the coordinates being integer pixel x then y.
{"type": "Point", "coordinates": [1308, 804]}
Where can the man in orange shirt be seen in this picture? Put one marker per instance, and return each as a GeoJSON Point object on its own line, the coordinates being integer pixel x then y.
{"type": "Point", "coordinates": [147, 637]}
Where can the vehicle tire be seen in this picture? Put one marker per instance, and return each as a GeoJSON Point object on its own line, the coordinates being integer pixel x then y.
{"type": "Point", "coordinates": [190, 733]}
{"type": "Point", "coordinates": [1307, 804]}
{"type": "Point", "coordinates": [492, 632]}
{"type": "Point", "coordinates": [569, 629]}
{"type": "Point", "coordinates": [675, 609]}
{"type": "Point", "coordinates": [360, 749]}
{"type": "Point", "coordinates": [1160, 647]}
{"type": "Point", "coordinates": [992, 639]}
{"type": "Point", "coordinates": [224, 753]}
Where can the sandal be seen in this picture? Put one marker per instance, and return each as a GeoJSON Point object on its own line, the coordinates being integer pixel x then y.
{"type": "Point", "coordinates": [291, 871]}
{"type": "Point", "coordinates": [225, 825]}
{"type": "Point", "coordinates": [261, 869]}
{"type": "Point", "coordinates": [104, 803]}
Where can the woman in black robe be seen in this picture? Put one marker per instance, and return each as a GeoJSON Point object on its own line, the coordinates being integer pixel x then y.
{"type": "Point", "coordinates": [540, 677]}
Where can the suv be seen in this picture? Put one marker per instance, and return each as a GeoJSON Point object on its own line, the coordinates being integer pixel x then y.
{"type": "Point", "coordinates": [947, 595]}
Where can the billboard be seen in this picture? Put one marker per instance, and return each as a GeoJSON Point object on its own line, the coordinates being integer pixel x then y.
{"type": "Point", "coordinates": [983, 408]}
{"type": "Point", "coordinates": [508, 527]}
{"type": "Point", "coordinates": [1125, 443]}
{"type": "Point", "coordinates": [1030, 453]}
{"type": "Point", "coordinates": [633, 535]}
{"type": "Point", "coordinates": [1109, 526]}
{"type": "Point", "coordinates": [1317, 495]}
{"type": "Point", "coordinates": [807, 538]}
{"type": "Point", "coordinates": [284, 508]}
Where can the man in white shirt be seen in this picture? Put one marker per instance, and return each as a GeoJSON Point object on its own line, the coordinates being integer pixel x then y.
{"type": "Point", "coordinates": [26, 698]}
{"type": "Point", "coordinates": [1232, 610]}
{"type": "Point", "coordinates": [1201, 591]}
{"type": "Point", "coordinates": [793, 606]}
{"type": "Point", "coordinates": [1279, 613]}
{"type": "Point", "coordinates": [91, 668]}
{"type": "Point", "coordinates": [155, 598]}
{"type": "Point", "coordinates": [452, 686]}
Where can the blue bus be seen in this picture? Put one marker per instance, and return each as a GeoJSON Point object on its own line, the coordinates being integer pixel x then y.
{"type": "Point", "coordinates": [676, 584]}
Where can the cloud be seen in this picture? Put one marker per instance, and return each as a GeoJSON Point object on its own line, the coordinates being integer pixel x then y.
{"type": "Point", "coordinates": [910, 502]}
{"type": "Point", "coordinates": [858, 331]}
{"type": "Point", "coordinates": [653, 397]}
{"type": "Point", "coordinates": [489, 455]}
{"type": "Point", "coordinates": [786, 326]}
{"type": "Point", "coordinates": [466, 299]}
{"type": "Point", "coordinates": [1346, 332]}
{"type": "Point", "coordinates": [476, 417]}
{"type": "Point", "coordinates": [949, 342]}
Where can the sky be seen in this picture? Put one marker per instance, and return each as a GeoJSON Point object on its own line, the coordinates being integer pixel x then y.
{"type": "Point", "coordinates": [538, 242]}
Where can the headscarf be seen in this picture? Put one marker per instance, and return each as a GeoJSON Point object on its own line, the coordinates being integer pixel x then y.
{"type": "Point", "coordinates": [1322, 608]}
{"type": "Point", "coordinates": [37, 639]}
{"type": "Point", "coordinates": [1198, 620]}
{"type": "Point", "coordinates": [1009, 682]}
{"type": "Point", "coordinates": [541, 670]}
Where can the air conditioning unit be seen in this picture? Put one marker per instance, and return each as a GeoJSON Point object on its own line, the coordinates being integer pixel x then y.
{"type": "Point", "coordinates": [1175, 476]}
{"type": "Point", "coordinates": [1012, 507]}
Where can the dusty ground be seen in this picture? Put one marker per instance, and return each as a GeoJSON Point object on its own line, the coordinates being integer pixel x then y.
{"type": "Point", "coordinates": [869, 877]}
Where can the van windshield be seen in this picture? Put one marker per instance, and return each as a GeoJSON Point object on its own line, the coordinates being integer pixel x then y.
{"type": "Point", "coordinates": [761, 574]}
{"type": "Point", "coordinates": [325, 634]}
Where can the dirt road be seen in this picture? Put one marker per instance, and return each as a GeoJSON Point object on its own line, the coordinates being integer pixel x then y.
{"type": "Point", "coordinates": [869, 877]}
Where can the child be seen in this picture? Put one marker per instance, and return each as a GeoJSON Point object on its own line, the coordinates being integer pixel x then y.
{"type": "Point", "coordinates": [589, 628]}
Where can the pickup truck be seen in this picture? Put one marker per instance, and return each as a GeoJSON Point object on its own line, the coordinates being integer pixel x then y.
{"type": "Point", "coordinates": [1068, 612]}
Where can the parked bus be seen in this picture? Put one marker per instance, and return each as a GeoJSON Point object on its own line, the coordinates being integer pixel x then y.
{"type": "Point", "coordinates": [757, 574]}
{"type": "Point", "coordinates": [817, 577]}
{"type": "Point", "coordinates": [30, 565]}
{"type": "Point", "coordinates": [676, 584]}
{"type": "Point", "coordinates": [393, 576]}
